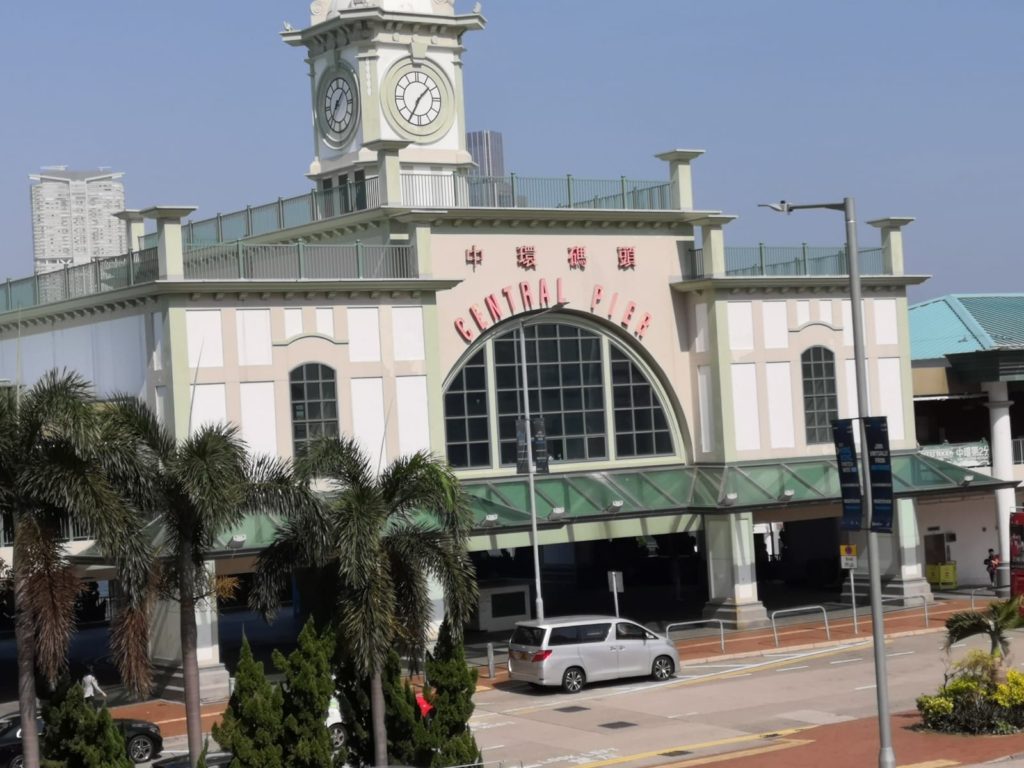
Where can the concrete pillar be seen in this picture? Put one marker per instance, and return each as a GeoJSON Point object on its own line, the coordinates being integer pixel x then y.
{"type": "Point", "coordinates": [892, 242]}
{"type": "Point", "coordinates": [134, 227]}
{"type": "Point", "coordinates": [908, 554]}
{"type": "Point", "coordinates": [713, 244]}
{"type": "Point", "coordinates": [680, 176]}
{"type": "Point", "coordinates": [170, 251]}
{"type": "Point", "coordinates": [1002, 464]}
{"type": "Point", "coordinates": [165, 650]}
{"type": "Point", "coordinates": [389, 170]}
{"type": "Point", "coordinates": [732, 577]}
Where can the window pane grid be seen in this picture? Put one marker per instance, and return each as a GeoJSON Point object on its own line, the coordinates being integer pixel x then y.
{"type": "Point", "coordinates": [820, 402]}
{"type": "Point", "coordinates": [466, 420]}
{"type": "Point", "coordinates": [314, 398]}
{"type": "Point", "coordinates": [641, 428]}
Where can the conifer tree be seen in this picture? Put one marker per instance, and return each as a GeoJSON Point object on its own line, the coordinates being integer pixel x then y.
{"type": "Point", "coordinates": [307, 693]}
{"type": "Point", "coordinates": [252, 727]}
{"type": "Point", "coordinates": [77, 736]}
{"type": "Point", "coordinates": [452, 685]}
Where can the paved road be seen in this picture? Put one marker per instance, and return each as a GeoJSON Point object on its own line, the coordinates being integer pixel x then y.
{"type": "Point", "coordinates": [709, 709]}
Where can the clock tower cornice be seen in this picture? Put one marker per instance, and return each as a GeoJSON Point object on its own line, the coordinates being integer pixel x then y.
{"type": "Point", "coordinates": [356, 24]}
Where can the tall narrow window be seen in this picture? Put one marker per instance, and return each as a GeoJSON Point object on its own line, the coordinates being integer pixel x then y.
{"type": "Point", "coordinates": [314, 397]}
{"type": "Point", "coordinates": [820, 405]}
{"type": "Point", "coordinates": [465, 416]}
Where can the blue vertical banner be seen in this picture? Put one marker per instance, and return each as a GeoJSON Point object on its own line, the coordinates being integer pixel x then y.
{"type": "Point", "coordinates": [849, 475]}
{"type": "Point", "coordinates": [876, 430]}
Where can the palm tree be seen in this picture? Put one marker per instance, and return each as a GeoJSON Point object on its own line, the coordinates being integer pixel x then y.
{"type": "Point", "coordinates": [204, 486]}
{"type": "Point", "coordinates": [995, 622]}
{"type": "Point", "coordinates": [61, 462]}
{"type": "Point", "coordinates": [383, 538]}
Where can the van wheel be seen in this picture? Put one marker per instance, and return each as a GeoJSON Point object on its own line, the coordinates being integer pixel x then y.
{"type": "Point", "coordinates": [663, 668]}
{"type": "Point", "coordinates": [573, 680]}
{"type": "Point", "coordinates": [338, 736]}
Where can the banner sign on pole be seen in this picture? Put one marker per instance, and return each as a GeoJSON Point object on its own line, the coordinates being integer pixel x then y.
{"type": "Point", "coordinates": [849, 476]}
{"type": "Point", "coordinates": [876, 429]}
{"type": "Point", "coordinates": [540, 448]}
{"type": "Point", "coordinates": [522, 454]}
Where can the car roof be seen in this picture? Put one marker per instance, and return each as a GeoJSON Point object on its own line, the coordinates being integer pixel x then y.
{"type": "Point", "coordinates": [561, 621]}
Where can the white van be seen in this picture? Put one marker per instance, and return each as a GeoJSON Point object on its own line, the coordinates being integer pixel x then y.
{"type": "Point", "coordinates": [570, 651]}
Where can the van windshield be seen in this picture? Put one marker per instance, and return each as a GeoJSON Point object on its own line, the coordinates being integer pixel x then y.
{"type": "Point", "coordinates": [528, 636]}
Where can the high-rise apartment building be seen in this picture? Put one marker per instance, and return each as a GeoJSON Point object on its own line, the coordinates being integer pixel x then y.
{"type": "Point", "coordinates": [487, 151]}
{"type": "Point", "coordinates": [73, 217]}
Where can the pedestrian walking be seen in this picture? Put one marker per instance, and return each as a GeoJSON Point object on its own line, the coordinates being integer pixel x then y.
{"type": "Point", "coordinates": [992, 566]}
{"type": "Point", "coordinates": [91, 689]}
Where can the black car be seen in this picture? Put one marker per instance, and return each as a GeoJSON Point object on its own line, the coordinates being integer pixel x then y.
{"type": "Point", "coordinates": [213, 759]}
{"type": "Point", "coordinates": [143, 740]}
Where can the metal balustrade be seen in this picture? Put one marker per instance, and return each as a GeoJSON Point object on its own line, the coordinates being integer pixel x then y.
{"type": "Point", "coordinates": [1018, 450]}
{"type": "Point", "coordinates": [785, 261]}
{"type": "Point", "coordinates": [719, 622]}
{"type": "Point", "coordinates": [800, 609]}
{"type": "Point", "coordinates": [245, 261]}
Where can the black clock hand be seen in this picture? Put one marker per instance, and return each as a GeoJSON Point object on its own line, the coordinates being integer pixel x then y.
{"type": "Point", "coordinates": [337, 103]}
{"type": "Point", "coordinates": [418, 99]}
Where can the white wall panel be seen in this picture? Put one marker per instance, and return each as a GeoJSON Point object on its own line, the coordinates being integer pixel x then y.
{"type": "Point", "coordinates": [36, 357]}
{"type": "Point", "coordinates": [209, 406]}
{"type": "Point", "coordinates": [120, 357]}
{"type": "Point", "coordinates": [779, 391]}
{"type": "Point", "coordinates": [292, 322]}
{"type": "Point", "coordinates": [886, 329]}
{"type": "Point", "coordinates": [205, 338]}
{"type": "Point", "coordinates": [890, 391]}
{"type": "Point", "coordinates": [368, 418]}
{"type": "Point", "coordinates": [825, 311]}
{"type": "Point", "coordinates": [73, 349]}
{"type": "Point", "coordinates": [259, 426]}
{"type": "Point", "coordinates": [850, 411]}
{"type": "Point", "coordinates": [363, 335]}
{"type": "Point", "coordinates": [700, 325]}
{"type": "Point", "coordinates": [848, 321]}
{"type": "Point", "coordinates": [706, 406]}
{"type": "Point", "coordinates": [253, 331]}
{"type": "Point", "coordinates": [803, 313]}
{"type": "Point", "coordinates": [156, 323]}
{"type": "Point", "coordinates": [741, 325]}
{"type": "Point", "coordinates": [325, 321]}
{"type": "Point", "coordinates": [776, 327]}
{"type": "Point", "coordinates": [746, 420]}
{"type": "Point", "coordinates": [162, 406]}
{"type": "Point", "coordinates": [413, 419]}
{"type": "Point", "coordinates": [407, 330]}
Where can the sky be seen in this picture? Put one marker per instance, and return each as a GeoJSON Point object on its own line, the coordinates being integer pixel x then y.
{"type": "Point", "coordinates": [913, 108]}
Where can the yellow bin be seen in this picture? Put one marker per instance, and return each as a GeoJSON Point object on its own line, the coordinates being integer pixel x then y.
{"type": "Point", "coordinates": [931, 572]}
{"type": "Point", "coordinates": [947, 576]}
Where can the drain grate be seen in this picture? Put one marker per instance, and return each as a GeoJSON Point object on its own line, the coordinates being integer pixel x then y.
{"type": "Point", "coordinates": [573, 708]}
{"type": "Point", "coordinates": [676, 753]}
{"type": "Point", "coordinates": [618, 724]}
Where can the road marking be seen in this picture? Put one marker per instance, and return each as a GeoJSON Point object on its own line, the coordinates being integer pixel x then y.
{"type": "Point", "coordinates": [495, 746]}
{"type": "Point", "coordinates": [775, 746]}
{"type": "Point", "coordinates": [688, 714]}
{"type": "Point", "coordinates": [958, 645]}
{"type": "Point", "coordinates": [932, 764]}
{"type": "Point", "coordinates": [845, 661]}
{"type": "Point", "coordinates": [702, 745]}
{"type": "Point", "coordinates": [790, 669]}
{"type": "Point", "coordinates": [901, 653]}
{"type": "Point", "coordinates": [865, 687]}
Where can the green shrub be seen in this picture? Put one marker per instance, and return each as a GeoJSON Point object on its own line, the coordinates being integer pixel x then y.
{"type": "Point", "coordinates": [251, 729]}
{"type": "Point", "coordinates": [77, 736]}
{"type": "Point", "coordinates": [936, 712]}
{"type": "Point", "coordinates": [307, 693]}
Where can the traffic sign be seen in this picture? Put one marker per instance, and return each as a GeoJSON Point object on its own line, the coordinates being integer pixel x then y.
{"type": "Point", "coordinates": [849, 562]}
{"type": "Point", "coordinates": [847, 550]}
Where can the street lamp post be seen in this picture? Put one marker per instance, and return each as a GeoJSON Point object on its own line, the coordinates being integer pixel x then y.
{"type": "Point", "coordinates": [530, 467]}
{"type": "Point", "coordinates": [886, 756]}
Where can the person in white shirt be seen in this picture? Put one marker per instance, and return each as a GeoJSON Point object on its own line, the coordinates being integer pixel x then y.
{"type": "Point", "coordinates": [91, 688]}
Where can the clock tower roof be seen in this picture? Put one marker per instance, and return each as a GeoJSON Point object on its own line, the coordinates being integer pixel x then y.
{"type": "Point", "coordinates": [322, 10]}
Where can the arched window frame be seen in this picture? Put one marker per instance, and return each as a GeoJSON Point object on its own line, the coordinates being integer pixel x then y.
{"type": "Point", "coordinates": [607, 343]}
{"type": "Point", "coordinates": [820, 396]}
{"type": "Point", "coordinates": [319, 390]}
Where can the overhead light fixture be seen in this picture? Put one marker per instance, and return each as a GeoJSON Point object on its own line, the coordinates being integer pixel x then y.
{"type": "Point", "coordinates": [967, 480]}
{"type": "Point", "coordinates": [787, 494]}
{"type": "Point", "coordinates": [557, 513]}
{"type": "Point", "coordinates": [729, 499]}
{"type": "Point", "coordinates": [237, 541]}
{"type": "Point", "coordinates": [613, 506]}
{"type": "Point", "coordinates": [489, 520]}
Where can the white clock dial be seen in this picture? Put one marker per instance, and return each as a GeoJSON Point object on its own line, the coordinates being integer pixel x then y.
{"type": "Point", "coordinates": [418, 98]}
{"type": "Point", "coordinates": [339, 105]}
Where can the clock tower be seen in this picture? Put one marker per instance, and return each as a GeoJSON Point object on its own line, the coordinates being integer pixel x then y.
{"type": "Point", "coordinates": [385, 75]}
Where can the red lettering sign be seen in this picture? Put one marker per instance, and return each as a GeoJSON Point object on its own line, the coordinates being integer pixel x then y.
{"type": "Point", "coordinates": [491, 302]}
{"type": "Point", "coordinates": [577, 257]}
{"type": "Point", "coordinates": [509, 299]}
{"type": "Point", "coordinates": [526, 295]}
{"type": "Point", "coordinates": [474, 256]}
{"type": "Point", "coordinates": [596, 296]}
{"type": "Point", "coordinates": [627, 316]}
{"type": "Point", "coordinates": [464, 332]}
{"type": "Point", "coordinates": [645, 323]}
{"type": "Point", "coordinates": [627, 257]}
{"type": "Point", "coordinates": [478, 317]}
{"type": "Point", "coordinates": [526, 257]}
{"type": "Point", "coordinates": [543, 297]}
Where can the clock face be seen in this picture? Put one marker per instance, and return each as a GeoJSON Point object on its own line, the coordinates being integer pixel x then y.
{"type": "Point", "coordinates": [339, 105]}
{"type": "Point", "coordinates": [418, 98]}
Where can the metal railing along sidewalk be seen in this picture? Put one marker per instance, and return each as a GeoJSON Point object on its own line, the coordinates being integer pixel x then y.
{"type": "Point", "coordinates": [719, 622]}
{"type": "Point", "coordinates": [799, 609]}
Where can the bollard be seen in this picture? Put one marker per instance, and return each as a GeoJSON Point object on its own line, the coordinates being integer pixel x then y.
{"type": "Point", "coordinates": [490, 661]}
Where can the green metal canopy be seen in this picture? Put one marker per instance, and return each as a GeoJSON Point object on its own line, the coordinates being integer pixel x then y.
{"type": "Point", "coordinates": [503, 504]}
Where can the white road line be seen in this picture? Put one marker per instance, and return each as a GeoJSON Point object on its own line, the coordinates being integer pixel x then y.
{"type": "Point", "coordinates": [958, 645]}
{"type": "Point", "coordinates": [790, 669]}
{"type": "Point", "coordinates": [845, 661]}
{"type": "Point", "coordinates": [496, 746]}
{"type": "Point", "coordinates": [865, 687]}
{"type": "Point", "coordinates": [745, 674]}
{"type": "Point", "coordinates": [901, 653]}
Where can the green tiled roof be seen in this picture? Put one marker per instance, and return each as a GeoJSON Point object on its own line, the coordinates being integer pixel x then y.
{"type": "Point", "coordinates": [966, 323]}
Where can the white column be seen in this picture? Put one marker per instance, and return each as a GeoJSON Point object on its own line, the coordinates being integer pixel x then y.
{"type": "Point", "coordinates": [732, 576]}
{"type": "Point", "coordinates": [1002, 463]}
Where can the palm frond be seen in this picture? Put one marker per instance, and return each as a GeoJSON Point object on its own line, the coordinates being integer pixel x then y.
{"type": "Point", "coordinates": [135, 418]}
{"type": "Point", "coordinates": [339, 460]}
{"type": "Point", "coordinates": [368, 620]}
{"type": "Point", "coordinates": [965, 624]}
{"type": "Point", "coordinates": [273, 489]}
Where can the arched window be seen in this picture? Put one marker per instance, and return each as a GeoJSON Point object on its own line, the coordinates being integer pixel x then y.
{"type": "Point", "coordinates": [595, 401]}
{"type": "Point", "coordinates": [820, 405]}
{"type": "Point", "coordinates": [314, 396]}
